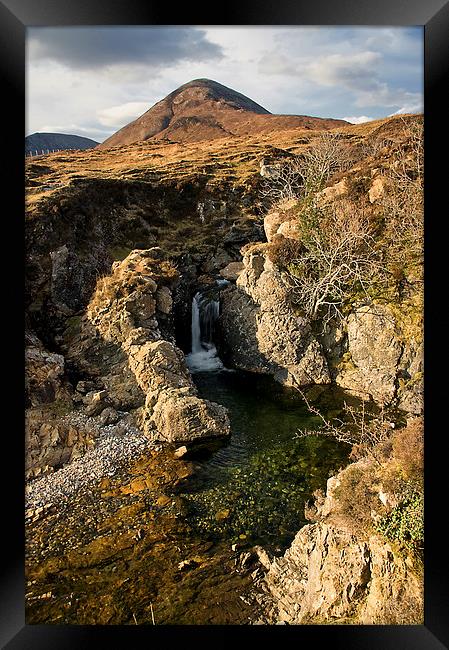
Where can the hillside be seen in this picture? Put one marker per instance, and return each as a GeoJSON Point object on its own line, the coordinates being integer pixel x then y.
{"type": "Point", "coordinates": [43, 142]}
{"type": "Point", "coordinates": [205, 110]}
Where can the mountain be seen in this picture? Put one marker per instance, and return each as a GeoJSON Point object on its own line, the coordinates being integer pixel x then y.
{"type": "Point", "coordinates": [203, 109]}
{"type": "Point", "coordinates": [43, 142]}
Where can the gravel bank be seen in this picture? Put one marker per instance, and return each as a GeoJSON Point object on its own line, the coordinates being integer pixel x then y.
{"type": "Point", "coordinates": [114, 447]}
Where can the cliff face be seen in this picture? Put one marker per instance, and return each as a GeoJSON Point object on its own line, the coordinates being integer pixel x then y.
{"type": "Point", "coordinates": [366, 354]}
{"type": "Point", "coordinates": [261, 330]}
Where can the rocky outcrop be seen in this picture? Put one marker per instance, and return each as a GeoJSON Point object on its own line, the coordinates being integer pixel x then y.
{"type": "Point", "coordinates": [374, 367]}
{"type": "Point", "coordinates": [126, 311]}
{"type": "Point", "coordinates": [278, 219]}
{"type": "Point", "coordinates": [261, 330]}
{"type": "Point", "coordinates": [129, 370]}
{"type": "Point", "coordinates": [380, 361]}
{"type": "Point", "coordinates": [331, 574]}
{"type": "Point", "coordinates": [53, 435]}
{"type": "Point", "coordinates": [231, 271]}
{"type": "Point", "coordinates": [370, 353]}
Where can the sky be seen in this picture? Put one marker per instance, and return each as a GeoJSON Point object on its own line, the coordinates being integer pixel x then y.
{"type": "Point", "coordinates": [91, 81]}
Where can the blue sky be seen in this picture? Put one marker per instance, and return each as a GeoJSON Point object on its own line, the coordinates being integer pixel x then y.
{"type": "Point", "coordinates": [91, 81]}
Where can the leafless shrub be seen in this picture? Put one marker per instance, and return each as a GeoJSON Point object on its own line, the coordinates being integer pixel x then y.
{"type": "Point", "coordinates": [345, 254]}
{"type": "Point", "coordinates": [338, 257]}
{"type": "Point", "coordinates": [304, 175]}
{"type": "Point", "coordinates": [362, 430]}
{"type": "Point", "coordinates": [403, 202]}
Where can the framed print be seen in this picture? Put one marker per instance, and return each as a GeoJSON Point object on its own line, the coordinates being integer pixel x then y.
{"type": "Point", "coordinates": [231, 268]}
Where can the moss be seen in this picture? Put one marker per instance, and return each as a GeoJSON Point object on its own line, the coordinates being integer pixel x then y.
{"type": "Point", "coordinates": [346, 363]}
{"type": "Point", "coordinates": [73, 327]}
{"type": "Point", "coordinates": [60, 407]}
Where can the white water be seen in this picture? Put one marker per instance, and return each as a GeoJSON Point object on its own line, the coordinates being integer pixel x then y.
{"type": "Point", "coordinates": [204, 356]}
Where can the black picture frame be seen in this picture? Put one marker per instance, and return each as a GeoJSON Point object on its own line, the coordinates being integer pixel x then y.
{"type": "Point", "coordinates": [15, 17]}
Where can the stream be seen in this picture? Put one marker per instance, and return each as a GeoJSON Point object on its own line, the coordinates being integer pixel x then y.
{"type": "Point", "coordinates": [252, 488]}
{"type": "Point", "coordinates": [160, 541]}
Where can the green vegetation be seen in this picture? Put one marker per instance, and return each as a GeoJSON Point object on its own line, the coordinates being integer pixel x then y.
{"type": "Point", "coordinates": [383, 492]}
{"type": "Point", "coordinates": [405, 523]}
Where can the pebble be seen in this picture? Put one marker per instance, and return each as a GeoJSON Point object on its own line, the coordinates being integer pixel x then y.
{"type": "Point", "coordinates": [111, 452]}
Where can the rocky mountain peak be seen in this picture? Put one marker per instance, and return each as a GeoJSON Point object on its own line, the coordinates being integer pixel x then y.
{"type": "Point", "coordinates": [203, 109]}
{"type": "Point", "coordinates": [194, 92]}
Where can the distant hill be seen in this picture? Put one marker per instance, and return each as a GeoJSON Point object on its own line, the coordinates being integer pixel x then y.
{"type": "Point", "coordinates": [56, 142]}
{"type": "Point", "coordinates": [203, 109]}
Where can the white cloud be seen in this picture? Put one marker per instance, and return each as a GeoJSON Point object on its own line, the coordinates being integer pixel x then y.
{"type": "Point", "coordinates": [354, 71]}
{"type": "Point", "coordinates": [358, 119]}
{"type": "Point", "coordinates": [320, 71]}
{"type": "Point", "coordinates": [117, 116]}
{"type": "Point", "coordinates": [410, 108]}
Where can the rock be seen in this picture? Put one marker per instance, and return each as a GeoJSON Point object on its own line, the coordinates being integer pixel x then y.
{"type": "Point", "coordinates": [290, 229]}
{"type": "Point", "coordinates": [270, 171]}
{"type": "Point", "coordinates": [164, 300]}
{"type": "Point", "coordinates": [109, 416]}
{"type": "Point", "coordinates": [217, 262]}
{"type": "Point", "coordinates": [374, 367]}
{"type": "Point", "coordinates": [271, 224]}
{"type": "Point", "coordinates": [180, 452]}
{"type": "Point", "coordinates": [179, 417]}
{"type": "Point", "coordinates": [331, 574]}
{"type": "Point", "coordinates": [96, 402]}
{"type": "Point", "coordinates": [222, 514]}
{"type": "Point", "coordinates": [85, 386]}
{"type": "Point", "coordinates": [329, 194]}
{"type": "Point", "coordinates": [187, 564]}
{"type": "Point", "coordinates": [163, 500]}
{"type": "Point", "coordinates": [138, 485]}
{"type": "Point", "coordinates": [44, 375]}
{"type": "Point", "coordinates": [261, 331]}
{"type": "Point", "coordinates": [231, 271]}
{"type": "Point", "coordinates": [378, 189]}
{"type": "Point", "coordinates": [263, 556]}
{"type": "Point", "coordinates": [67, 278]}
{"type": "Point", "coordinates": [125, 310]}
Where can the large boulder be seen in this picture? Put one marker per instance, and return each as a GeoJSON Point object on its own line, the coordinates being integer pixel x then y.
{"type": "Point", "coordinates": [374, 352]}
{"type": "Point", "coordinates": [261, 329]}
{"type": "Point", "coordinates": [186, 418]}
{"type": "Point", "coordinates": [334, 572]}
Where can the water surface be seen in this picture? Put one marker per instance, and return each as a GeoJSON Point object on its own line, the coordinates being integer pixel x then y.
{"type": "Point", "coordinates": [253, 488]}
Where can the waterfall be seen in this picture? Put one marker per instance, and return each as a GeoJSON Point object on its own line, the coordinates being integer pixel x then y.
{"type": "Point", "coordinates": [196, 326]}
{"type": "Point", "coordinates": [205, 311]}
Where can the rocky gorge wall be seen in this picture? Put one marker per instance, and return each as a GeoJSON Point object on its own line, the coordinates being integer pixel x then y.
{"type": "Point", "coordinates": [369, 353]}
{"type": "Point", "coordinates": [123, 348]}
{"type": "Point", "coordinates": [85, 374]}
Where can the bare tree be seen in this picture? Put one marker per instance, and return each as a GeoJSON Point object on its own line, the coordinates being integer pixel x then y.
{"type": "Point", "coordinates": [341, 256]}
{"type": "Point", "coordinates": [403, 202]}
